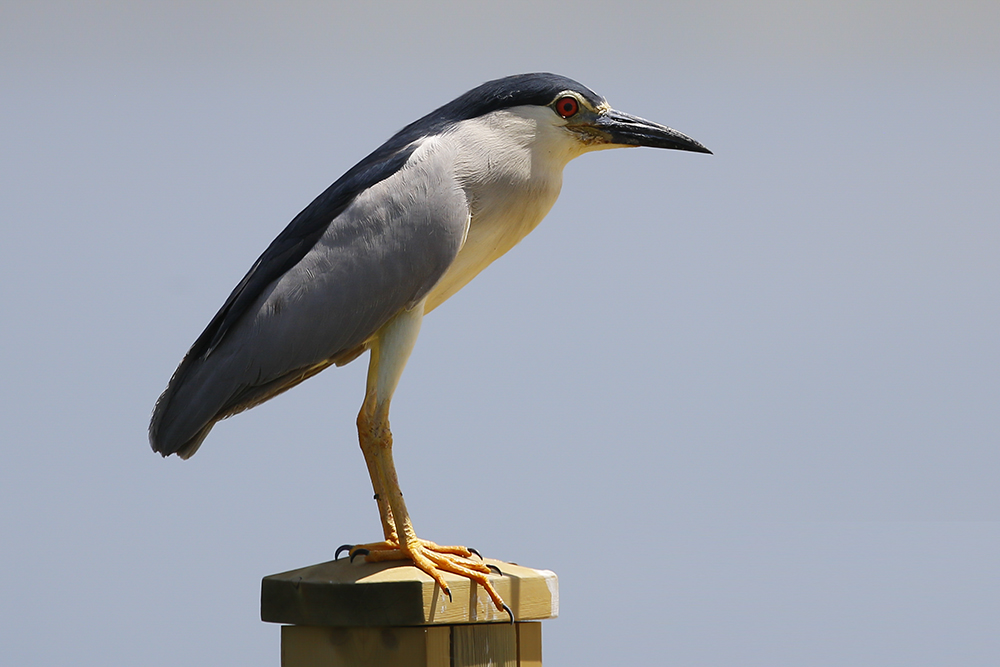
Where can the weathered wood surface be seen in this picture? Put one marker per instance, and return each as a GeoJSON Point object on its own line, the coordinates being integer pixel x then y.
{"type": "Point", "coordinates": [344, 594]}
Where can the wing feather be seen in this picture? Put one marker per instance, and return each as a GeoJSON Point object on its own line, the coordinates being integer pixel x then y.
{"type": "Point", "coordinates": [320, 291]}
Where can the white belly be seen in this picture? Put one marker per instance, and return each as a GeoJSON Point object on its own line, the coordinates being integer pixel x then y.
{"type": "Point", "coordinates": [492, 232]}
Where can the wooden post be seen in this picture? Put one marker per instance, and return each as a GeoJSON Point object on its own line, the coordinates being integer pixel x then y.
{"type": "Point", "coordinates": [343, 614]}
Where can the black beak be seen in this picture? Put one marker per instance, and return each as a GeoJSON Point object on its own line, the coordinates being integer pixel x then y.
{"type": "Point", "coordinates": [626, 130]}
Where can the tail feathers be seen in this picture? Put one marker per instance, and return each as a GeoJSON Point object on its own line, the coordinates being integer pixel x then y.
{"type": "Point", "coordinates": [167, 438]}
{"type": "Point", "coordinates": [187, 450]}
{"type": "Point", "coordinates": [184, 450]}
{"type": "Point", "coordinates": [202, 393]}
{"type": "Point", "coordinates": [186, 410]}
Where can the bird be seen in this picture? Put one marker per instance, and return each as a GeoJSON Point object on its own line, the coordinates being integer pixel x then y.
{"type": "Point", "coordinates": [388, 242]}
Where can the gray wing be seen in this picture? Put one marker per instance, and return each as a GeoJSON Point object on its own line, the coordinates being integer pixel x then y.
{"type": "Point", "coordinates": [380, 255]}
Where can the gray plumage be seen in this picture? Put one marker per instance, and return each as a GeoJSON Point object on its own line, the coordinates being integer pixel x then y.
{"type": "Point", "coordinates": [405, 228]}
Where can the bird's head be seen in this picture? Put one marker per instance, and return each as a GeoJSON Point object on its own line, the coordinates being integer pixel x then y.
{"type": "Point", "coordinates": [577, 112]}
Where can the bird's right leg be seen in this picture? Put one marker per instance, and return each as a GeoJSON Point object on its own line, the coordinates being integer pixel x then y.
{"type": "Point", "coordinates": [389, 353]}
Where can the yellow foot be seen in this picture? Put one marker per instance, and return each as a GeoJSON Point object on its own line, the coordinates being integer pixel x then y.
{"type": "Point", "coordinates": [393, 548]}
{"type": "Point", "coordinates": [434, 559]}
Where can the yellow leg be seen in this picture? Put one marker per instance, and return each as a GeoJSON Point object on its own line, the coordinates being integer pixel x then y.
{"type": "Point", "coordinates": [388, 356]}
{"type": "Point", "coordinates": [369, 438]}
{"type": "Point", "coordinates": [430, 557]}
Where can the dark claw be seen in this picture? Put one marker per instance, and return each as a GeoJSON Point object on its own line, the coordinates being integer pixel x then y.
{"type": "Point", "coordinates": [359, 552]}
{"type": "Point", "coordinates": [447, 592]}
{"type": "Point", "coordinates": [509, 612]}
{"type": "Point", "coordinates": [343, 547]}
{"type": "Point", "coordinates": [494, 568]}
{"type": "Point", "coordinates": [471, 550]}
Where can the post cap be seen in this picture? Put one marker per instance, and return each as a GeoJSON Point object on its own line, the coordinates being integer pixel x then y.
{"type": "Point", "coordinates": [340, 593]}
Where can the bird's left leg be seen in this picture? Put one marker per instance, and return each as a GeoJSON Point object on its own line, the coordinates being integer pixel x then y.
{"type": "Point", "coordinates": [389, 354]}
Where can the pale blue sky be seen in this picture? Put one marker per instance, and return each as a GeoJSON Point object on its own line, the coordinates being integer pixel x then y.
{"type": "Point", "coordinates": [745, 405]}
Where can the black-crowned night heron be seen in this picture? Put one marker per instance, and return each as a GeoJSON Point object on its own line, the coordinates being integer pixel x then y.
{"type": "Point", "coordinates": [388, 242]}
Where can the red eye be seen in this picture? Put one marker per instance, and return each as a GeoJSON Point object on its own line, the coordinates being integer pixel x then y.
{"type": "Point", "coordinates": [567, 106]}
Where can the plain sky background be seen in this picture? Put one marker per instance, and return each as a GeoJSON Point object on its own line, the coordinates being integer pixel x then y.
{"type": "Point", "coordinates": [745, 405]}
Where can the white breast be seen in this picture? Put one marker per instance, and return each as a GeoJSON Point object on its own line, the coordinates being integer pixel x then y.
{"type": "Point", "coordinates": [510, 164]}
